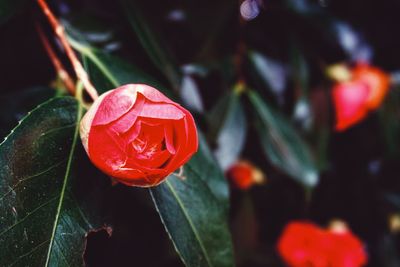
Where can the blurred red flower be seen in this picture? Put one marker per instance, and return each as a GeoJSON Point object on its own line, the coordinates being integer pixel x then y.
{"type": "Point", "coordinates": [244, 175]}
{"type": "Point", "coordinates": [304, 244]}
{"type": "Point", "coordinates": [377, 80]}
{"type": "Point", "coordinates": [364, 92]}
{"type": "Point", "coordinates": [350, 101]}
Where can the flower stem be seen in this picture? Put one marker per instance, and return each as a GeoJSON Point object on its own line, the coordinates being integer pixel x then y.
{"type": "Point", "coordinates": [60, 69]}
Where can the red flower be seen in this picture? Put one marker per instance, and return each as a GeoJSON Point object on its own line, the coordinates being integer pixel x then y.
{"type": "Point", "coordinates": [350, 102]}
{"type": "Point", "coordinates": [137, 135]}
{"type": "Point", "coordinates": [244, 175]}
{"type": "Point", "coordinates": [304, 244]}
{"type": "Point", "coordinates": [364, 92]}
{"type": "Point", "coordinates": [377, 80]}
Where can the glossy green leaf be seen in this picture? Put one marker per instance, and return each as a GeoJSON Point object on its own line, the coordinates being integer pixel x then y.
{"type": "Point", "coordinates": [43, 220]}
{"type": "Point", "coordinates": [229, 121]}
{"type": "Point", "coordinates": [151, 42]}
{"type": "Point", "coordinates": [195, 220]}
{"type": "Point", "coordinates": [16, 105]}
{"type": "Point", "coordinates": [194, 211]}
{"type": "Point", "coordinates": [204, 164]}
{"type": "Point", "coordinates": [9, 8]}
{"type": "Point", "coordinates": [282, 145]}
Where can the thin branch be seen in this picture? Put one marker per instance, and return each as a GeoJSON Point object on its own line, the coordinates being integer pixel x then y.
{"type": "Point", "coordinates": [60, 32]}
{"type": "Point", "coordinates": [60, 69]}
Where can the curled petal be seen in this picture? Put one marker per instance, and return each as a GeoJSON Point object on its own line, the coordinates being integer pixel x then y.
{"type": "Point", "coordinates": [161, 111]}
{"type": "Point", "coordinates": [124, 123]}
{"type": "Point", "coordinates": [115, 104]}
{"type": "Point", "coordinates": [151, 94]}
{"type": "Point", "coordinates": [169, 138]}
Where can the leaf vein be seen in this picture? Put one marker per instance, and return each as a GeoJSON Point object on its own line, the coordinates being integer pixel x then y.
{"type": "Point", "coordinates": [29, 178]}
{"type": "Point", "coordinates": [29, 253]}
{"type": "Point", "coordinates": [182, 206]}
{"type": "Point", "coordinates": [63, 189]}
{"type": "Point", "coordinates": [27, 216]}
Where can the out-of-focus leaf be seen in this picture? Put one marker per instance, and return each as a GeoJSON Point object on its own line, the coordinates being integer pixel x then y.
{"type": "Point", "coordinates": [282, 145]}
{"type": "Point", "coordinates": [300, 73]}
{"type": "Point", "coordinates": [272, 74]}
{"type": "Point", "coordinates": [152, 43]}
{"type": "Point", "coordinates": [302, 113]}
{"type": "Point", "coordinates": [393, 199]}
{"type": "Point", "coordinates": [108, 72]}
{"type": "Point", "coordinates": [190, 94]}
{"type": "Point", "coordinates": [229, 120]}
{"type": "Point", "coordinates": [352, 43]}
{"type": "Point", "coordinates": [195, 220]}
{"type": "Point", "coordinates": [9, 7]}
{"type": "Point", "coordinates": [15, 106]}
{"type": "Point", "coordinates": [389, 116]}
{"type": "Point", "coordinates": [91, 31]}
{"type": "Point", "coordinates": [205, 165]}
{"type": "Point", "coordinates": [43, 219]}
{"type": "Point", "coordinates": [387, 251]}
{"type": "Point", "coordinates": [300, 6]}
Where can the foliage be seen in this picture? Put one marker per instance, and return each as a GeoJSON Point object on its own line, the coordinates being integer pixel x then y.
{"type": "Point", "coordinates": [256, 84]}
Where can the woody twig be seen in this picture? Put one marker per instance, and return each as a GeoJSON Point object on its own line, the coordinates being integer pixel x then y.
{"type": "Point", "coordinates": [60, 33]}
{"type": "Point", "coordinates": [61, 71]}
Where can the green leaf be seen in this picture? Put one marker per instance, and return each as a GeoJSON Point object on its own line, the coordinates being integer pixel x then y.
{"type": "Point", "coordinates": [282, 145]}
{"type": "Point", "coordinates": [190, 94]}
{"type": "Point", "coordinates": [195, 220]}
{"type": "Point", "coordinates": [16, 105]}
{"type": "Point", "coordinates": [152, 43]}
{"type": "Point", "coordinates": [268, 73]}
{"type": "Point", "coordinates": [9, 7]}
{"type": "Point", "coordinates": [44, 219]}
{"type": "Point", "coordinates": [390, 125]}
{"type": "Point", "coordinates": [204, 164]}
{"type": "Point", "coordinates": [228, 120]}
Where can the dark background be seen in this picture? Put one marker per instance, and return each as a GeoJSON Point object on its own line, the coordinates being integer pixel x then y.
{"type": "Point", "coordinates": [361, 175]}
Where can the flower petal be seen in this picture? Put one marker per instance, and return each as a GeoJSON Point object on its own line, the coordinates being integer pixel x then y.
{"type": "Point", "coordinates": [161, 111]}
{"type": "Point", "coordinates": [169, 138]}
{"type": "Point", "coordinates": [104, 150]}
{"type": "Point", "coordinates": [124, 123]}
{"type": "Point", "coordinates": [115, 104]}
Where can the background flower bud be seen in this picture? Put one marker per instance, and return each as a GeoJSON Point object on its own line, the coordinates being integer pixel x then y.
{"type": "Point", "coordinates": [306, 244]}
{"type": "Point", "coordinates": [244, 175]}
{"type": "Point", "coordinates": [377, 80]}
{"type": "Point", "coordinates": [137, 135]}
{"type": "Point", "coordinates": [349, 99]}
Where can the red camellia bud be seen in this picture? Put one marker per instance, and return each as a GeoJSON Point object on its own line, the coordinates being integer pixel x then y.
{"type": "Point", "coordinates": [243, 174]}
{"type": "Point", "coordinates": [137, 135]}
{"type": "Point", "coordinates": [304, 244]}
